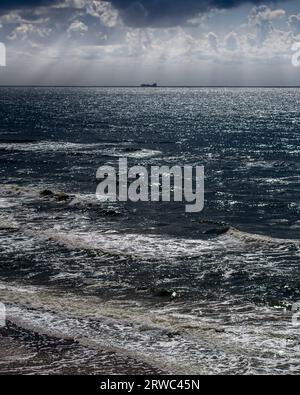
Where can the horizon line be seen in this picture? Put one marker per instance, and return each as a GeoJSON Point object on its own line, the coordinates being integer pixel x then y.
{"type": "Point", "coordinates": [143, 87]}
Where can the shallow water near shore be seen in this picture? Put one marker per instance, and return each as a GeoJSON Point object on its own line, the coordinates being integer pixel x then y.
{"type": "Point", "coordinates": [147, 288]}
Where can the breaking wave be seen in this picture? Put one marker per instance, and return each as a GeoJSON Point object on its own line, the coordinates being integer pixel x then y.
{"type": "Point", "coordinates": [164, 337]}
{"type": "Point", "coordinates": [105, 148]}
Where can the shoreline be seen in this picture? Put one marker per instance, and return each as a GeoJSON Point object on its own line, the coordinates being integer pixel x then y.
{"type": "Point", "coordinates": [26, 352]}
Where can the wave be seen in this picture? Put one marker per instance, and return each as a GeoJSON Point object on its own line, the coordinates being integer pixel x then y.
{"type": "Point", "coordinates": [136, 153]}
{"type": "Point", "coordinates": [113, 149]}
{"type": "Point", "coordinates": [218, 237]}
{"type": "Point", "coordinates": [7, 203]}
{"type": "Point", "coordinates": [115, 243]}
{"type": "Point", "coordinates": [166, 336]}
{"type": "Point", "coordinates": [150, 247]}
{"type": "Point", "coordinates": [137, 245]}
{"type": "Point", "coordinates": [257, 238]}
{"type": "Point", "coordinates": [17, 141]}
{"type": "Point", "coordinates": [47, 146]}
{"type": "Point", "coordinates": [181, 334]}
{"type": "Point", "coordinates": [225, 228]}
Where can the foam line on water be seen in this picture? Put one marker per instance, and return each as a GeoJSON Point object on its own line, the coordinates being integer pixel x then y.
{"type": "Point", "coordinates": [164, 336]}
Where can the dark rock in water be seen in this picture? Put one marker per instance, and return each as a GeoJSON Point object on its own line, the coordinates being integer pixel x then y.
{"type": "Point", "coordinates": [215, 223]}
{"type": "Point", "coordinates": [217, 231]}
{"type": "Point", "coordinates": [111, 213]}
{"type": "Point", "coordinates": [46, 193]}
{"type": "Point", "coordinates": [164, 293]}
{"type": "Point", "coordinates": [171, 335]}
{"type": "Point", "coordinates": [62, 197]}
{"type": "Point", "coordinates": [220, 330]}
{"type": "Point", "coordinates": [131, 149]}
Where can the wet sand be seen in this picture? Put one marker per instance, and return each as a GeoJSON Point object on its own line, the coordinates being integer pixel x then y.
{"type": "Point", "coordinates": [23, 352]}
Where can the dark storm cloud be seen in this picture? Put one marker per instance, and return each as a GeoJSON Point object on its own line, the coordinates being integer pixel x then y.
{"type": "Point", "coordinates": [143, 13]}
{"type": "Point", "coordinates": [170, 12]}
{"type": "Point", "coordinates": [7, 5]}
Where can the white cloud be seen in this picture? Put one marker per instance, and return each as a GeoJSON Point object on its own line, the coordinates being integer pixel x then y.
{"type": "Point", "coordinates": [261, 18]}
{"type": "Point", "coordinates": [264, 13]}
{"type": "Point", "coordinates": [91, 31]}
{"type": "Point", "coordinates": [77, 28]}
{"type": "Point", "coordinates": [27, 31]}
{"type": "Point", "coordinates": [108, 15]}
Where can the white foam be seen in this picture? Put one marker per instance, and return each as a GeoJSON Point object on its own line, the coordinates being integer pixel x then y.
{"type": "Point", "coordinates": [57, 146]}
{"type": "Point", "coordinates": [145, 246]}
{"type": "Point", "coordinates": [139, 154]}
{"type": "Point", "coordinates": [252, 237]}
{"type": "Point", "coordinates": [7, 203]}
{"type": "Point", "coordinates": [200, 342]}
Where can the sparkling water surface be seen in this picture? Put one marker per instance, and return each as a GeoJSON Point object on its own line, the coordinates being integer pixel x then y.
{"type": "Point", "coordinates": [146, 285]}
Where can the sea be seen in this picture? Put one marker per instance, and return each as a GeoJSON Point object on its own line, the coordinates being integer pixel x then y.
{"type": "Point", "coordinates": [94, 287]}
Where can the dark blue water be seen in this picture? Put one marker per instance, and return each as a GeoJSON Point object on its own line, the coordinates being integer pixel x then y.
{"type": "Point", "coordinates": [214, 288]}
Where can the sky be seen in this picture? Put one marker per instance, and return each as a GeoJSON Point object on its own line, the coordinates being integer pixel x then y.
{"type": "Point", "coordinates": [129, 42]}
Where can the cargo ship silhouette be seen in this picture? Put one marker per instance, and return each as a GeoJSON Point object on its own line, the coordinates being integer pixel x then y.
{"type": "Point", "coordinates": [154, 85]}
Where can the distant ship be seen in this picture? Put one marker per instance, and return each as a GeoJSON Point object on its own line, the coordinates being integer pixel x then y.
{"type": "Point", "coordinates": [149, 85]}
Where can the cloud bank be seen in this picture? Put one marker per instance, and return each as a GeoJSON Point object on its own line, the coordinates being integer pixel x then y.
{"type": "Point", "coordinates": [167, 13]}
{"type": "Point", "coordinates": [15, 4]}
{"type": "Point", "coordinates": [177, 42]}
{"type": "Point", "coordinates": [143, 13]}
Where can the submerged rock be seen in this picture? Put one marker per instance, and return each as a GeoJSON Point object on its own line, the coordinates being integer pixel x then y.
{"type": "Point", "coordinates": [217, 231]}
{"type": "Point", "coordinates": [62, 197]}
{"type": "Point", "coordinates": [46, 193]}
{"type": "Point", "coordinates": [171, 335]}
{"type": "Point", "coordinates": [111, 213]}
{"type": "Point", "coordinates": [131, 149]}
{"type": "Point", "coordinates": [220, 330]}
{"type": "Point", "coordinates": [215, 223]}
